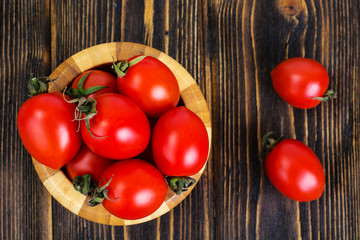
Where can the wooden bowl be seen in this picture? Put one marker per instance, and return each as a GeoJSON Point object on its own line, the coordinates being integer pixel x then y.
{"type": "Point", "coordinates": [56, 181]}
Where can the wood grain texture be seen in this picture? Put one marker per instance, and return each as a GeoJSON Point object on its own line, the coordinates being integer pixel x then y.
{"type": "Point", "coordinates": [25, 206]}
{"type": "Point", "coordinates": [230, 48]}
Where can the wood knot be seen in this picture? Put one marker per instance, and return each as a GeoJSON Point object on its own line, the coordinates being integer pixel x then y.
{"type": "Point", "coordinates": [290, 8]}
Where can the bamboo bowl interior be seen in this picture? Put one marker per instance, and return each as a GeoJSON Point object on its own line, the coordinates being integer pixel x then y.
{"type": "Point", "coordinates": [56, 181]}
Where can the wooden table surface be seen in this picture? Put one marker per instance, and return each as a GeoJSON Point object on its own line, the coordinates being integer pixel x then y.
{"type": "Point", "coordinates": [230, 48]}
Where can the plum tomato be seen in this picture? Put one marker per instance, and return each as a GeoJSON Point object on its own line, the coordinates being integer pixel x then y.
{"type": "Point", "coordinates": [180, 143]}
{"type": "Point", "coordinates": [294, 170]}
{"type": "Point", "coordinates": [47, 130]}
{"type": "Point", "coordinates": [301, 82]}
{"type": "Point", "coordinates": [136, 189]}
{"type": "Point", "coordinates": [120, 129]}
{"type": "Point", "coordinates": [87, 162]}
{"type": "Point", "coordinates": [150, 84]}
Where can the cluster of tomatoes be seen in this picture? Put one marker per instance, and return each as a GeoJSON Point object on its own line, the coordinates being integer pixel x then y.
{"type": "Point", "coordinates": [122, 140]}
{"type": "Point", "coordinates": [292, 167]}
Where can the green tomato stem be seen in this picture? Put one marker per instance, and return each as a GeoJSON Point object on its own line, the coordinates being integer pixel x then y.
{"type": "Point", "coordinates": [99, 194]}
{"type": "Point", "coordinates": [330, 94]}
{"type": "Point", "coordinates": [74, 93]}
{"type": "Point", "coordinates": [179, 184]}
{"type": "Point", "coordinates": [36, 86]}
{"type": "Point", "coordinates": [84, 184]}
{"type": "Point", "coordinates": [122, 67]}
{"type": "Point", "coordinates": [39, 85]}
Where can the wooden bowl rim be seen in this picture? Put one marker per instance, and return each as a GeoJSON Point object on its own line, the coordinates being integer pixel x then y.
{"type": "Point", "coordinates": [56, 181]}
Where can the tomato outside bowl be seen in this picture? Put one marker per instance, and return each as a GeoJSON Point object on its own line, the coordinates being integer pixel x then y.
{"type": "Point", "coordinates": [57, 182]}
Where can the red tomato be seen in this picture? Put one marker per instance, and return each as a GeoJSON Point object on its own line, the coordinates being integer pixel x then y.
{"type": "Point", "coordinates": [138, 187]}
{"type": "Point", "coordinates": [180, 143]}
{"type": "Point", "coordinates": [47, 130]}
{"type": "Point", "coordinates": [97, 78]}
{"type": "Point", "coordinates": [294, 169]}
{"type": "Point", "coordinates": [87, 162]}
{"type": "Point", "coordinates": [150, 84]}
{"type": "Point", "coordinates": [299, 80]}
{"type": "Point", "coordinates": [122, 130]}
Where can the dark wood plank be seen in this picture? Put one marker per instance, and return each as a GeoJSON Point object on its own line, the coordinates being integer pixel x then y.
{"type": "Point", "coordinates": [25, 204]}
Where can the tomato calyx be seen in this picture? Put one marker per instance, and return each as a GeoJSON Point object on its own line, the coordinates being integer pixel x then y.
{"type": "Point", "coordinates": [179, 184]}
{"type": "Point", "coordinates": [330, 94]}
{"type": "Point", "coordinates": [271, 139]}
{"type": "Point", "coordinates": [74, 93]}
{"type": "Point", "coordinates": [99, 194]}
{"type": "Point", "coordinates": [38, 85]}
{"type": "Point", "coordinates": [122, 67]}
{"type": "Point", "coordinates": [88, 108]}
{"type": "Point", "coordinates": [269, 142]}
{"type": "Point", "coordinates": [84, 184]}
